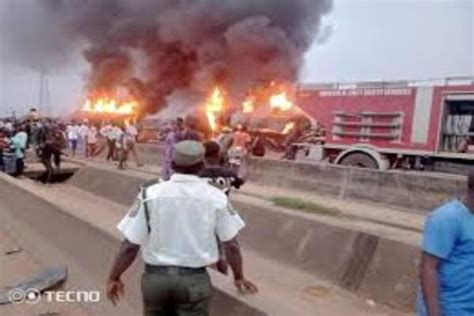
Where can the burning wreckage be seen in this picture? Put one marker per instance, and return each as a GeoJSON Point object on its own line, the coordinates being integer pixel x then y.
{"type": "Point", "coordinates": [241, 61]}
{"type": "Point", "coordinates": [225, 52]}
{"type": "Point", "coordinates": [267, 111]}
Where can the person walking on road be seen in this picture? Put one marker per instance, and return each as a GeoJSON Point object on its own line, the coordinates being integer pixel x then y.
{"type": "Point", "coordinates": [239, 150]}
{"type": "Point", "coordinates": [190, 131]}
{"type": "Point", "coordinates": [220, 176]}
{"type": "Point", "coordinates": [19, 142]}
{"type": "Point", "coordinates": [73, 136]}
{"type": "Point", "coordinates": [176, 223]}
{"type": "Point", "coordinates": [447, 263]}
{"type": "Point", "coordinates": [172, 138]}
{"type": "Point", "coordinates": [224, 179]}
{"type": "Point", "coordinates": [109, 131]}
{"type": "Point", "coordinates": [83, 130]}
{"type": "Point", "coordinates": [131, 140]}
{"type": "Point", "coordinates": [91, 141]}
{"type": "Point", "coordinates": [4, 147]}
{"type": "Point", "coordinates": [121, 146]}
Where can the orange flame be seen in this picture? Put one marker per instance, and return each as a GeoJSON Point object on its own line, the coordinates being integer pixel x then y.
{"type": "Point", "coordinates": [288, 127]}
{"type": "Point", "coordinates": [281, 102]}
{"type": "Point", "coordinates": [248, 105]}
{"type": "Point", "coordinates": [214, 105]}
{"type": "Point", "coordinates": [109, 105]}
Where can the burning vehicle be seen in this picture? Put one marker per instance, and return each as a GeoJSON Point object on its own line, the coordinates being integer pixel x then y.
{"type": "Point", "coordinates": [225, 64]}
{"type": "Point", "coordinates": [267, 111]}
{"type": "Point", "coordinates": [223, 54]}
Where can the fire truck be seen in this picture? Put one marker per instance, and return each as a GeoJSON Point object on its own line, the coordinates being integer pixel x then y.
{"type": "Point", "coordinates": [387, 125]}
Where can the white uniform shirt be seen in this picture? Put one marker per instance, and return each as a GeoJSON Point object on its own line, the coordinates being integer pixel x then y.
{"type": "Point", "coordinates": [9, 126]}
{"type": "Point", "coordinates": [119, 137]}
{"type": "Point", "coordinates": [106, 130]}
{"type": "Point", "coordinates": [83, 129]}
{"type": "Point", "coordinates": [72, 132]}
{"type": "Point", "coordinates": [132, 133]}
{"type": "Point", "coordinates": [92, 135]}
{"type": "Point", "coordinates": [186, 214]}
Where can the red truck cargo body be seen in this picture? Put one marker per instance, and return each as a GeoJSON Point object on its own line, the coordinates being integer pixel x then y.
{"type": "Point", "coordinates": [405, 118]}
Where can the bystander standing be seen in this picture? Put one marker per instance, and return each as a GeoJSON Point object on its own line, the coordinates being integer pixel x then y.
{"type": "Point", "coordinates": [72, 132]}
{"type": "Point", "coordinates": [447, 263]}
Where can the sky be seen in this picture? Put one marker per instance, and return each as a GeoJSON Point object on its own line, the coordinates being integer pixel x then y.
{"type": "Point", "coordinates": [370, 40]}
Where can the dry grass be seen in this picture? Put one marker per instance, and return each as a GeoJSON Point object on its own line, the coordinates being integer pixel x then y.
{"type": "Point", "coordinates": [305, 206]}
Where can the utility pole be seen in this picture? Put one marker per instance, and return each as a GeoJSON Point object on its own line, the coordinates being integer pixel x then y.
{"type": "Point", "coordinates": [44, 97]}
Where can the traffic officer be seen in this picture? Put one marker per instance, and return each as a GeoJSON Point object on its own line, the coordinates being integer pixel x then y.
{"type": "Point", "coordinates": [176, 223]}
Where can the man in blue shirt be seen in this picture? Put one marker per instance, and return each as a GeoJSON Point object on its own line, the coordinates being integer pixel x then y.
{"type": "Point", "coordinates": [447, 264]}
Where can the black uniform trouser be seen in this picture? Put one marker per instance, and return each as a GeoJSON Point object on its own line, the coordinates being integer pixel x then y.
{"type": "Point", "coordinates": [176, 292]}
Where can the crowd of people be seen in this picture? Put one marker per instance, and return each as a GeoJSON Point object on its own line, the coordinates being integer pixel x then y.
{"type": "Point", "coordinates": [42, 138]}
{"type": "Point", "coordinates": [48, 140]}
{"type": "Point", "coordinates": [219, 160]}
{"type": "Point", "coordinates": [235, 145]}
{"type": "Point", "coordinates": [117, 139]}
{"type": "Point", "coordinates": [13, 143]}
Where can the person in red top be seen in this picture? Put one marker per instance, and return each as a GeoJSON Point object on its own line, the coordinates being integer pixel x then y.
{"type": "Point", "coordinates": [4, 146]}
{"type": "Point", "coordinates": [242, 138]}
{"type": "Point", "coordinates": [238, 151]}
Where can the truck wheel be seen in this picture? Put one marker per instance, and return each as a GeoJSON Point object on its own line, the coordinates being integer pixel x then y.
{"type": "Point", "coordinates": [360, 160]}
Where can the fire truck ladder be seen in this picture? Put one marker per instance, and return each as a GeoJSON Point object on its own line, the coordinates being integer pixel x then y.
{"type": "Point", "coordinates": [367, 126]}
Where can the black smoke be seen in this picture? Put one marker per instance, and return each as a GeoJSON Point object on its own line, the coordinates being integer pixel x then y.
{"type": "Point", "coordinates": [181, 44]}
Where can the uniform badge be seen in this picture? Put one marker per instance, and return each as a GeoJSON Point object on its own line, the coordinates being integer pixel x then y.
{"type": "Point", "coordinates": [135, 208]}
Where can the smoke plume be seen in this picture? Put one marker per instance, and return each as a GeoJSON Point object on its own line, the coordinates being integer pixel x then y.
{"type": "Point", "coordinates": [158, 47]}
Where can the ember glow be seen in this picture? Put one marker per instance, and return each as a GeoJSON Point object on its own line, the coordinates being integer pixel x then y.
{"type": "Point", "coordinates": [280, 102]}
{"type": "Point", "coordinates": [248, 105]}
{"type": "Point", "coordinates": [288, 127]}
{"type": "Point", "coordinates": [109, 105]}
{"type": "Point", "coordinates": [214, 106]}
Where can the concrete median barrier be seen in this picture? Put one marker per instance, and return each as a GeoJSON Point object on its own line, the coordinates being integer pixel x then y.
{"type": "Point", "coordinates": [114, 185]}
{"type": "Point", "coordinates": [413, 190]}
{"type": "Point", "coordinates": [375, 267]}
{"type": "Point", "coordinates": [418, 191]}
{"type": "Point", "coordinates": [310, 245]}
{"type": "Point", "coordinates": [392, 275]}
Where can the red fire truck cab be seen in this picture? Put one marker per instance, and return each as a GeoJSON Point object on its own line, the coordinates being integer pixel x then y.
{"type": "Point", "coordinates": [394, 124]}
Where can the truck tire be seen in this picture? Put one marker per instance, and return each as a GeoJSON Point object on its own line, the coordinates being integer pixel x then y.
{"type": "Point", "coordinates": [360, 160]}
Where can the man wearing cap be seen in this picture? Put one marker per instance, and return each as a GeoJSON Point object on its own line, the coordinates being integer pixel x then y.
{"type": "Point", "coordinates": [176, 223]}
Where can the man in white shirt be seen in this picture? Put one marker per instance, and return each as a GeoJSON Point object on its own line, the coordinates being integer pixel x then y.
{"type": "Point", "coordinates": [73, 136]}
{"type": "Point", "coordinates": [9, 126]}
{"type": "Point", "coordinates": [83, 130]}
{"type": "Point", "coordinates": [91, 140]}
{"type": "Point", "coordinates": [131, 140]}
{"type": "Point", "coordinates": [176, 223]}
{"type": "Point", "coordinates": [112, 132]}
